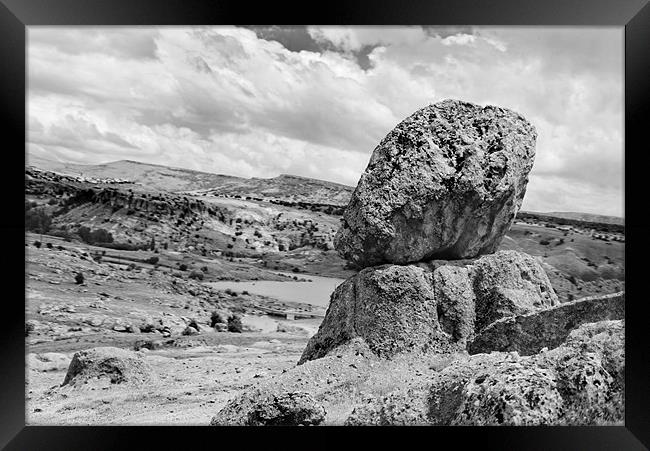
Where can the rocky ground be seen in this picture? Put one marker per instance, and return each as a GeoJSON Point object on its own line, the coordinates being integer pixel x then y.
{"type": "Point", "coordinates": [144, 306]}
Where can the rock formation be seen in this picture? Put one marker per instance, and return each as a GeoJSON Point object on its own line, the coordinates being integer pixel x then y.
{"type": "Point", "coordinates": [110, 365]}
{"type": "Point", "coordinates": [410, 308]}
{"type": "Point", "coordinates": [446, 182]}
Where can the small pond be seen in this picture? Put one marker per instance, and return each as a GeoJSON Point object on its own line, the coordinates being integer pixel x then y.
{"type": "Point", "coordinates": [316, 292]}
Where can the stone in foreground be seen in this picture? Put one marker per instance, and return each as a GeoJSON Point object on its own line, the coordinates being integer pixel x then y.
{"type": "Point", "coordinates": [108, 364]}
{"type": "Point", "coordinates": [414, 308]}
{"type": "Point", "coordinates": [446, 183]}
{"type": "Point", "coordinates": [259, 409]}
{"type": "Point", "coordinates": [579, 383]}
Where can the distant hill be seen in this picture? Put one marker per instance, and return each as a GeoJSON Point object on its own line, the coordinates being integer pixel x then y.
{"type": "Point", "coordinates": [154, 176]}
{"type": "Point", "coordinates": [588, 217]}
{"type": "Point", "coordinates": [290, 188]}
{"type": "Point", "coordinates": [164, 178]}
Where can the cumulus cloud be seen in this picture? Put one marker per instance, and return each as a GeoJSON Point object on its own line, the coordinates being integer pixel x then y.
{"type": "Point", "coordinates": [315, 101]}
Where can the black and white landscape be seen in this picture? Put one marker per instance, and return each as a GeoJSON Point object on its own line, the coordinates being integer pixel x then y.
{"type": "Point", "coordinates": [325, 226]}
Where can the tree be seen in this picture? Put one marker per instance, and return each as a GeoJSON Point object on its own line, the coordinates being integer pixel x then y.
{"type": "Point", "coordinates": [37, 220]}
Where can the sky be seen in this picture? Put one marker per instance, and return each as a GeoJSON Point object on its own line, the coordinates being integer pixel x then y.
{"type": "Point", "coordinates": [316, 101]}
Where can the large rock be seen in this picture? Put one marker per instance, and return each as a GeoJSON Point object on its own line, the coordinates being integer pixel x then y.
{"type": "Point", "coordinates": [257, 408]}
{"type": "Point", "coordinates": [110, 365]}
{"type": "Point", "coordinates": [528, 334]}
{"type": "Point", "coordinates": [430, 308]}
{"type": "Point", "coordinates": [445, 183]}
{"type": "Point", "coordinates": [509, 283]}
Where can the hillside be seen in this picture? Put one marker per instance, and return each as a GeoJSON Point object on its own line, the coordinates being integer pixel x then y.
{"type": "Point", "coordinates": [289, 188]}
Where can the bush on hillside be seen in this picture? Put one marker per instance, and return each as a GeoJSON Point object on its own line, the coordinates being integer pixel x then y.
{"type": "Point", "coordinates": [36, 220]}
{"type": "Point", "coordinates": [235, 324]}
{"type": "Point", "coordinates": [196, 275]}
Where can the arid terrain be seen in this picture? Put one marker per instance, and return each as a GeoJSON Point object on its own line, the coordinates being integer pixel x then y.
{"type": "Point", "coordinates": [149, 241]}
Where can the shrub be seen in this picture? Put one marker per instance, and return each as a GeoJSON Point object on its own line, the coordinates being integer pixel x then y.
{"type": "Point", "coordinates": [544, 242]}
{"type": "Point", "coordinates": [216, 318]}
{"type": "Point", "coordinates": [234, 324]}
{"type": "Point", "coordinates": [182, 267]}
{"type": "Point", "coordinates": [99, 236]}
{"type": "Point", "coordinates": [79, 278]}
{"type": "Point", "coordinates": [37, 244]}
{"type": "Point", "coordinates": [48, 245]}
{"type": "Point", "coordinates": [196, 275]}
{"type": "Point", "coordinates": [51, 201]}
{"type": "Point", "coordinates": [152, 260]}
{"type": "Point", "coordinates": [204, 268]}
{"type": "Point", "coordinates": [37, 220]}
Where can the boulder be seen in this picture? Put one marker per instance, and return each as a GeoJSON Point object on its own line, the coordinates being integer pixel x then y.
{"type": "Point", "coordinates": [430, 308]}
{"type": "Point", "coordinates": [110, 364]}
{"type": "Point", "coordinates": [528, 334]}
{"type": "Point", "coordinates": [445, 183]}
{"type": "Point", "coordinates": [509, 283]}
{"type": "Point", "coordinates": [258, 408]}
{"type": "Point", "coordinates": [391, 307]}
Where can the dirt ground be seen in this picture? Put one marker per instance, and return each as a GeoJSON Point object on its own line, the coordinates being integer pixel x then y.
{"type": "Point", "coordinates": [196, 374]}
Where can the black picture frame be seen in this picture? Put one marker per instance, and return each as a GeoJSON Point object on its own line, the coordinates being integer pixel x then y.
{"type": "Point", "coordinates": [16, 15]}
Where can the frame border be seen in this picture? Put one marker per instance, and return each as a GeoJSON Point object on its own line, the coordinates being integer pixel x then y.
{"type": "Point", "coordinates": [634, 15]}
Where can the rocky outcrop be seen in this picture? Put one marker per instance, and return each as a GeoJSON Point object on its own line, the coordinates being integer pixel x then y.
{"type": "Point", "coordinates": [257, 408]}
{"type": "Point", "coordinates": [108, 364]}
{"type": "Point", "coordinates": [446, 182]}
{"type": "Point", "coordinates": [580, 382]}
{"type": "Point", "coordinates": [419, 308]}
{"type": "Point", "coordinates": [528, 334]}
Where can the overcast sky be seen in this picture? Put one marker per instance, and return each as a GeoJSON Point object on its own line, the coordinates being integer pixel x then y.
{"type": "Point", "coordinates": [315, 101]}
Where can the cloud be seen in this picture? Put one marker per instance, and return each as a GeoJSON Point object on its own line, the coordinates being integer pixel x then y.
{"type": "Point", "coordinates": [315, 101]}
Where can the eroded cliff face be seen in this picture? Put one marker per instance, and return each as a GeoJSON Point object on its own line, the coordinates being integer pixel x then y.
{"type": "Point", "coordinates": [447, 183]}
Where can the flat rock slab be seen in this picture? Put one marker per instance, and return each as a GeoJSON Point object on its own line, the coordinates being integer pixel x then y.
{"type": "Point", "coordinates": [445, 183]}
{"type": "Point", "coordinates": [529, 333]}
